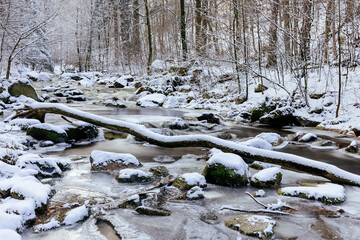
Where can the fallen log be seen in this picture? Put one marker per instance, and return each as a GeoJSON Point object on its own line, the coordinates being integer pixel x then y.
{"type": "Point", "coordinates": [291, 161]}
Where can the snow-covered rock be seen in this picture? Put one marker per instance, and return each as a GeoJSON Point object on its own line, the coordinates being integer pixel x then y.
{"type": "Point", "coordinates": [132, 175]}
{"type": "Point", "coordinates": [226, 169]}
{"type": "Point", "coordinates": [188, 180]}
{"type": "Point", "coordinates": [44, 77]}
{"type": "Point", "coordinates": [152, 100]}
{"type": "Point", "coordinates": [101, 160]}
{"type": "Point", "coordinates": [327, 192]}
{"type": "Point", "coordinates": [258, 143]}
{"type": "Point", "coordinates": [269, 177]}
{"type": "Point", "coordinates": [272, 138]}
{"type": "Point", "coordinates": [178, 124]}
{"type": "Point", "coordinates": [76, 215]}
{"type": "Point", "coordinates": [195, 193]}
{"type": "Point", "coordinates": [174, 102]}
{"type": "Point", "coordinates": [308, 137]}
{"type": "Point", "coordinates": [46, 131]}
{"type": "Point", "coordinates": [9, 234]}
{"type": "Point", "coordinates": [115, 103]}
{"type": "Point", "coordinates": [47, 226]}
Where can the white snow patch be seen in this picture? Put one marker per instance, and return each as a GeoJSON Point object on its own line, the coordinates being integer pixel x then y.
{"type": "Point", "coordinates": [272, 138]}
{"type": "Point", "coordinates": [266, 175]}
{"type": "Point", "coordinates": [152, 100]}
{"type": "Point", "coordinates": [194, 179]}
{"type": "Point", "coordinates": [103, 158]}
{"type": "Point", "coordinates": [231, 161]}
{"type": "Point", "coordinates": [127, 173]}
{"type": "Point", "coordinates": [194, 192]}
{"type": "Point", "coordinates": [8, 234]}
{"type": "Point", "coordinates": [258, 143]}
{"type": "Point", "coordinates": [47, 226]}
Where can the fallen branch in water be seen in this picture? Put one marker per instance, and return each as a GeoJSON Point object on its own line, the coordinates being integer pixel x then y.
{"type": "Point", "coordinates": [298, 163]}
{"type": "Point", "coordinates": [254, 211]}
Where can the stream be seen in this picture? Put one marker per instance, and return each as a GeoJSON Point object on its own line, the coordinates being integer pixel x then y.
{"type": "Point", "coordinates": [80, 183]}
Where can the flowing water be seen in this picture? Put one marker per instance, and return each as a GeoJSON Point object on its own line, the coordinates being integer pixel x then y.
{"type": "Point", "coordinates": [184, 223]}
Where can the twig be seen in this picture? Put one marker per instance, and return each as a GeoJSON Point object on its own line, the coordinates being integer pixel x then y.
{"type": "Point", "coordinates": [255, 211]}
{"type": "Point", "coordinates": [262, 204]}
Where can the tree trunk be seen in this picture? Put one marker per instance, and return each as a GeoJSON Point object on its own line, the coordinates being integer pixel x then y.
{"type": "Point", "coordinates": [272, 58]}
{"type": "Point", "coordinates": [136, 44]}
{"type": "Point", "coordinates": [250, 154]}
{"type": "Point", "coordinates": [183, 30]}
{"type": "Point", "coordinates": [116, 37]}
{"type": "Point", "coordinates": [125, 22]}
{"type": "Point", "coordinates": [148, 24]}
{"type": "Point", "coordinates": [339, 62]}
{"type": "Point", "coordinates": [328, 22]}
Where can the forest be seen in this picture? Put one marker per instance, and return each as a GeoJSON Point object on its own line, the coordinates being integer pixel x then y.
{"type": "Point", "coordinates": [179, 119]}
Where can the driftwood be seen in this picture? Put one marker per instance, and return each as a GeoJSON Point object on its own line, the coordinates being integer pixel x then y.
{"type": "Point", "coordinates": [331, 172]}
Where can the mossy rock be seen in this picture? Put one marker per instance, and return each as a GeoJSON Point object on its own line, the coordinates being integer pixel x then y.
{"type": "Point", "coordinates": [195, 193]}
{"type": "Point", "coordinates": [221, 175]}
{"type": "Point", "coordinates": [279, 117]}
{"type": "Point", "coordinates": [152, 211]}
{"type": "Point", "coordinates": [159, 171]}
{"type": "Point", "coordinates": [19, 88]}
{"type": "Point", "coordinates": [267, 184]}
{"type": "Point", "coordinates": [84, 131]}
{"type": "Point", "coordinates": [252, 225]}
{"type": "Point", "coordinates": [41, 133]}
{"type": "Point", "coordinates": [132, 179]}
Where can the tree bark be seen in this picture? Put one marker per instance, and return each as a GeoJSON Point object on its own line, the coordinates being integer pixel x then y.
{"type": "Point", "coordinates": [183, 30]}
{"type": "Point", "coordinates": [148, 24]}
{"type": "Point", "coordinates": [250, 154]}
{"type": "Point", "coordinates": [272, 58]}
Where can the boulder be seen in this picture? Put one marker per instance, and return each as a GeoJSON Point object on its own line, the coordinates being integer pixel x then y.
{"type": "Point", "coordinates": [267, 178]}
{"type": "Point", "coordinates": [279, 117]}
{"type": "Point", "coordinates": [209, 117]}
{"type": "Point", "coordinates": [104, 161]}
{"type": "Point", "coordinates": [133, 201]}
{"type": "Point", "coordinates": [225, 135]}
{"type": "Point", "coordinates": [272, 138]}
{"type": "Point", "coordinates": [22, 87]}
{"type": "Point", "coordinates": [132, 175]}
{"type": "Point", "coordinates": [189, 180]}
{"type": "Point", "coordinates": [83, 131]}
{"type": "Point", "coordinates": [226, 169]}
{"type": "Point", "coordinates": [309, 137]}
{"type": "Point", "coordinates": [252, 225]}
{"type": "Point", "coordinates": [258, 112]}
{"type": "Point", "coordinates": [178, 124]}
{"type": "Point", "coordinates": [46, 131]}
{"type": "Point", "coordinates": [152, 100]}
{"type": "Point", "coordinates": [79, 98]}
{"type": "Point", "coordinates": [260, 88]}
{"type": "Point", "coordinates": [306, 122]}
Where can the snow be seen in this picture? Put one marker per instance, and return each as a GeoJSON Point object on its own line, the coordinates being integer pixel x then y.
{"type": "Point", "coordinates": [194, 179]}
{"type": "Point", "coordinates": [263, 219]}
{"type": "Point", "coordinates": [272, 138]}
{"type": "Point", "coordinates": [47, 226]}
{"type": "Point", "coordinates": [24, 208]}
{"type": "Point", "coordinates": [127, 173]}
{"type": "Point", "coordinates": [8, 234]}
{"type": "Point", "coordinates": [135, 198]}
{"type": "Point", "coordinates": [158, 65]}
{"type": "Point", "coordinates": [8, 171]}
{"type": "Point", "coordinates": [103, 158]}
{"type": "Point", "coordinates": [266, 175]}
{"type": "Point", "coordinates": [260, 193]}
{"type": "Point", "coordinates": [328, 190]}
{"type": "Point", "coordinates": [24, 123]}
{"type": "Point", "coordinates": [230, 161]}
{"type": "Point", "coordinates": [44, 77]}
{"type": "Point", "coordinates": [285, 157]}
{"type": "Point", "coordinates": [10, 221]}
{"type": "Point", "coordinates": [32, 161]}
{"type": "Point", "coordinates": [258, 143]}
{"type": "Point", "coordinates": [152, 100]}
{"type": "Point", "coordinates": [76, 215]}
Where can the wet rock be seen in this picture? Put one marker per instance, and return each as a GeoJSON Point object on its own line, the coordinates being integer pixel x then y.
{"type": "Point", "coordinates": [115, 103]}
{"type": "Point", "coordinates": [46, 131]}
{"type": "Point", "coordinates": [295, 137]}
{"type": "Point", "coordinates": [152, 211]}
{"type": "Point", "coordinates": [352, 148]}
{"type": "Point", "coordinates": [189, 180]}
{"type": "Point", "coordinates": [73, 92]}
{"type": "Point", "coordinates": [226, 169]}
{"type": "Point", "coordinates": [261, 165]}
{"type": "Point", "coordinates": [309, 137]}
{"type": "Point", "coordinates": [159, 171]}
{"type": "Point", "coordinates": [325, 143]}
{"type": "Point", "coordinates": [22, 87]}
{"type": "Point", "coordinates": [110, 135]}
{"type": "Point", "coordinates": [104, 161]}
{"type": "Point", "coordinates": [258, 112]}
{"type": "Point", "coordinates": [84, 131]}
{"type": "Point", "coordinates": [252, 225]}
{"type": "Point", "coordinates": [209, 218]}
{"type": "Point", "coordinates": [209, 117]}
{"type": "Point", "coordinates": [260, 88]}
{"type": "Point", "coordinates": [195, 193]}
{"type": "Point", "coordinates": [178, 124]}
{"type": "Point", "coordinates": [132, 175]}
{"type": "Point", "coordinates": [327, 193]}
{"type": "Point", "coordinates": [54, 100]}
{"type": "Point", "coordinates": [267, 178]}
{"type": "Point", "coordinates": [225, 135]}
{"type": "Point", "coordinates": [279, 117]}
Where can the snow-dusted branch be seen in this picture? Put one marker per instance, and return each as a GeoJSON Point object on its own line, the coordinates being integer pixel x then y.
{"type": "Point", "coordinates": [326, 170]}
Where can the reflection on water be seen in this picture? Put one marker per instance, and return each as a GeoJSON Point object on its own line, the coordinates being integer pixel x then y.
{"type": "Point", "coordinates": [107, 229]}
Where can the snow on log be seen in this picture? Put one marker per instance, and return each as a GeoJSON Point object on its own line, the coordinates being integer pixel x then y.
{"type": "Point", "coordinates": [328, 171]}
